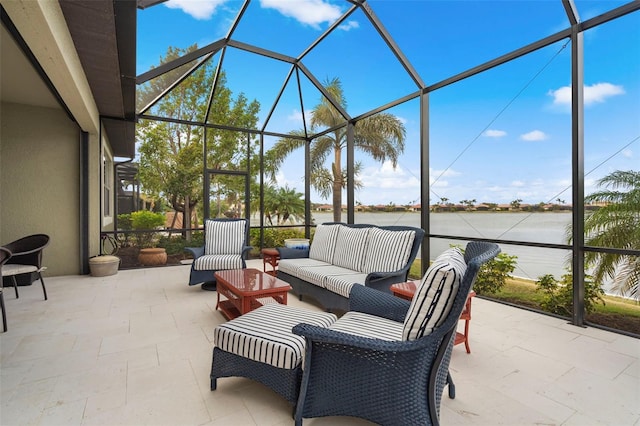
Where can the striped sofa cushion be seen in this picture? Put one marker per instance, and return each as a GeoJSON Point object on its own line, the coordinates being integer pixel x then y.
{"type": "Point", "coordinates": [318, 274]}
{"type": "Point", "coordinates": [351, 246]}
{"type": "Point", "coordinates": [292, 266]}
{"type": "Point", "coordinates": [224, 236]}
{"type": "Point", "coordinates": [324, 242]}
{"type": "Point", "coordinates": [264, 335]}
{"type": "Point", "coordinates": [209, 262]}
{"type": "Point", "coordinates": [387, 251]}
{"type": "Point", "coordinates": [367, 325]}
{"type": "Point", "coordinates": [435, 294]}
{"type": "Point", "coordinates": [341, 284]}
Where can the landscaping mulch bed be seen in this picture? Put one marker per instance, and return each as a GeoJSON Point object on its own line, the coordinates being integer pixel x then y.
{"type": "Point", "coordinates": [129, 258]}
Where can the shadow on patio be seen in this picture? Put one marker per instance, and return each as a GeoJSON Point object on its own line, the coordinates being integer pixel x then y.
{"type": "Point", "coordinates": [135, 348]}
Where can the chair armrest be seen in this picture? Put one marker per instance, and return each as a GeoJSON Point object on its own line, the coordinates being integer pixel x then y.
{"type": "Point", "coordinates": [196, 252]}
{"type": "Point", "coordinates": [325, 335]}
{"type": "Point", "coordinates": [291, 253]}
{"type": "Point", "coordinates": [245, 251]}
{"type": "Point", "coordinates": [375, 302]}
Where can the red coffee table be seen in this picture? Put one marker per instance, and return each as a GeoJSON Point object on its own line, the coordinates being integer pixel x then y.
{"type": "Point", "coordinates": [248, 289]}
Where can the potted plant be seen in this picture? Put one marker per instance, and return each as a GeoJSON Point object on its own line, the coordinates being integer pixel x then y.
{"type": "Point", "coordinates": [146, 222]}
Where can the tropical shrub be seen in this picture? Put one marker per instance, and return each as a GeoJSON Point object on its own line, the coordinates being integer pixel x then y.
{"type": "Point", "coordinates": [145, 220]}
{"type": "Point", "coordinates": [558, 295]}
{"type": "Point", "coordinates": [176, 244]}
{"type": "Point", "coordinates": [493, 274]}
{"type": "Point", "coordinates": [274, 237]}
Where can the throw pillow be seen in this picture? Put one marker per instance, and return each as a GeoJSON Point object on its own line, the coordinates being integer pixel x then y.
{"type": "Point", "coordinates": [387, 251]}
{"type": "Point", "coordinates": [324, 242]}
{"type": "Point", "coordinates": [351, 246]}
{"type": "Point", "coordinates": [435, 294]}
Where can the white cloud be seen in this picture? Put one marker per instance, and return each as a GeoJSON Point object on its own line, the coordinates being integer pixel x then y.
{"type": "Point", "coordinates": [596, 93]}
{"type": "Point", "coordinates": [535, 135]}
{"type": "Point", "coordinates": [440, 175]}
{"type": "Point", "coordinates": [517, 183]}
{"type": "Point", "coordinates": [382, 184]}
{"type": "Point", "coordinates": [201, 9]}
{"type": "Point", "coordinates": [627, 153]}
{"type": "Point", "coordinates": [349, 26]}
{"type": "Point", "coordinates": [386, 177]}
{"type": "Point", "coordinates": [296, 116]}
{"type": "Point", "coordinates": [308, 12]}
{"type": "Point", "coordinates": [495, 133]}
{"type": "Point", "coordinates": [402, 119]}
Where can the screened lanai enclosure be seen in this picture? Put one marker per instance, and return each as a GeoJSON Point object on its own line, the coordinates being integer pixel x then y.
{"type": "Point", "coordinates": [474, 120]}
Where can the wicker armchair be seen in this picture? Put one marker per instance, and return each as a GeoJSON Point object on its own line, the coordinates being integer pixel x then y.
{"type": "Point", "coordinates": [225, 248]}
{"type": "Point", "coordinates": [5, 254]}
{"type": "Point", "coordinates": [26, 258]}
{"type": "Point", "coordinates": [388, 382]}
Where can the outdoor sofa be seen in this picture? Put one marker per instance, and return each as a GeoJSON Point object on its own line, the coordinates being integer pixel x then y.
{"type": "Point", "coordinates": [343, 255]}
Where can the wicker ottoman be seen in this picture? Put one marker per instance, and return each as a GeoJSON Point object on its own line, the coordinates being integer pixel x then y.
{"type": "Point", "coordinates": [260, 346]}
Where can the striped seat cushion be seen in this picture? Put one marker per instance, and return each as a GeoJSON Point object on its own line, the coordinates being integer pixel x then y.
{"type": "Point", "coordinates": [214, 262]}
{"type": "Point", "coordinates": [292, 266]}
{"type": "Point", "coordinates": [351, 246]}
{"type": "Point", "coordinates": [435, 294]}
{"type": "Point", "coordinates": [224, 236]}
{"type": "Point", "coordinates": [317, 275]}
{"type": "Point", "coordinates": [341, 284]}
{"type": "Point", "coordinates": [264, 335]}
{"type": "Point", "coordinates": [387, 251]}
{"type": "Point", "coordinates": [324, 242]}
{"type": "Point", "coordinates": [367, 325]}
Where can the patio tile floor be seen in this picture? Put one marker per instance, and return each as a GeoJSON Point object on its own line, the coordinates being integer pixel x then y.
{"type": "Point", "coordinates": [135, 348]}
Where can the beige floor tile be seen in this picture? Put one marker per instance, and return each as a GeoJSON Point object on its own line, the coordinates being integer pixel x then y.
{"type": "Point", "coordinates": [135, 348]}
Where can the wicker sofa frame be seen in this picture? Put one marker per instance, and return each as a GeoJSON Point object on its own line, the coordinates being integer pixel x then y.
{"type": "Point", "coordinates": [378, 280]}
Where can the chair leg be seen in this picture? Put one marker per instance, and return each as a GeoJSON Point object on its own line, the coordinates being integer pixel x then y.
{"type": "Point", "coordinates": [15, 286]}
{"type": "Point", "coordinates": [44, 290]}
{"type": "Point", "coordinates": [4, 315]}
{"type": "Point", "coordinates": [452, 386]}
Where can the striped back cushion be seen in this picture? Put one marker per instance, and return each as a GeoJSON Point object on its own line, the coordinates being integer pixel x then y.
{"type": "Point", "coordinates": [324, 242]}
{"type": "Point", "coordinates": [435, 294]}
{"type": "Point", "coordinates": [351, 246]}
{"type": "Point", "coordinates": [387, 251]}
{"type": "Point", "coordinates": [224, 236]}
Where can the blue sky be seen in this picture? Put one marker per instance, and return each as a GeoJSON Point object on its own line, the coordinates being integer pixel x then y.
{"type": "Point", "coordinates": [498, 136]}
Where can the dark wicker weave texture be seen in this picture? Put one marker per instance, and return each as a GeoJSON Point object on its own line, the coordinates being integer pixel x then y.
{"type": "Point", "coordinates": [390, 383]}
{"type": "Point", "coordinates": [284, 381]}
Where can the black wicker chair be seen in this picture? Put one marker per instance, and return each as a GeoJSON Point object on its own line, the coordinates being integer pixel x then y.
{"type": "Point", "coordinates": [5, 254]}
{"type": "Point", "coordinates": [26, 258]}
{"type": "Point", "coordinates": [387, 382]}
{"type": "Point", "coordinates": [202, 270]}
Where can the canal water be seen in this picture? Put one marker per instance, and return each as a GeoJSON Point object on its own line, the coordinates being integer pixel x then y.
{"type": "Point", "coordinates": [532, 262]}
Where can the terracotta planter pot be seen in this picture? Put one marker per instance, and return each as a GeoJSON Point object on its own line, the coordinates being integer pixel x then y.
{"type": "Point", "coordinates": [152, 256]}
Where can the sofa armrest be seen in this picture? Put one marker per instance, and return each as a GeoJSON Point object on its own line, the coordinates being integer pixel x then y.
{"type": "Point", "coordinates": [377, 276]}
{"type": "Point", "coordinates": [375, 302]}
{"type": "Point", "coordinates": [290, 253]}
{"type": "Point", "coordinates": [245, 251]}
{"type": "Point", "coordinates": [196, 252]}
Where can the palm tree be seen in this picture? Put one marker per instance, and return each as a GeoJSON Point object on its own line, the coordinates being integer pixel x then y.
{"type": "Point", "coordinates": [283, 204]}
{"type": "Point", "coordinates": [381, 136]}
{"type": "Point", "coordinates": [616, 224]}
